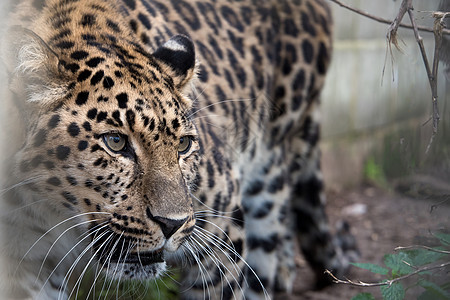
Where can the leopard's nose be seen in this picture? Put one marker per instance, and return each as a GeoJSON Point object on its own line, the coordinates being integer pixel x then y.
{"type": "Point", "coordinates": [168, 226]}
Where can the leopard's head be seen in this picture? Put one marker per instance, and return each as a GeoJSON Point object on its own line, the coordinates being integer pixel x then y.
{"type": "Point", "coordinates": [109, 139]}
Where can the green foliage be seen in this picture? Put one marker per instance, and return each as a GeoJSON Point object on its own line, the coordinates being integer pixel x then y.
{"type": "Point", "coordinates": [160, 289]}
{"type": "Point", "coordinates": [394, 291]}
{"type": "Point", "coordinates": [373, 172]}
{"type": "Point", "coordinates": [363, 296]}
{"type": "Point", "coordinates": [398, 264]}
{"type": "Point", "coordinates": [404, 263]}
{"type": "Point", "coordinates": [372, 268]}
{"type": "Point", "coordinates": [433, 291]}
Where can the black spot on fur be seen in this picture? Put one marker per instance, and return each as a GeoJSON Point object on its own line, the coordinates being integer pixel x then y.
{"type": "Point", "coordinates": [144, 20]}
{"type": "Point", "coordinates": [299, 81]}
{"type": "Point", "coordinates": [65, 45]}
{"type": "Point", "coordinates": [82, 98]}
{"type": "Point", "coordinates": [130, 116]}
{"type": "Point", "coordinates": [98, 162]}
{"type": "Point", "coordinates": [71, 180]}
{"type": "Point", "coordinates": [254, 188]}
{"type": "Point", "coordinates": [93, 62]}
{"type": "Point", "coordinates": [113, 25]}
{"type": "Point", "coordinates": [263, 210]}
{"type": "Point", "coordinates": [102, 116]}
{"type": "Point", "coordinates": [308, 51]}
{"type": "Point", "coordinates": [82, 145]}
{"type": "Point", "coordinates": [187, 13]}
{"type": "Point", "coordinates": [267, 243]}
{"type": "Point", "coordinates": [122, 100]}
{"type": "Point", "coordinates": [69, 197]}
{"type": "Point", "coordinates": [290, 28]}
{"type": "Point", "coordinates": [84, 75]}
{"type": "Point", "coordinates": [97, 77]}
{"type": "Point", "coordinates": [62, 152]}
{"type": "Point", "coordinates": [322, 59]}
{"type": "Point", "coordinates": [108, 82]}
{"type": "Point", "coordinates": [102, 99]}
{"type": "Point", "coordinates": [49, 165]}
{"type": "Point", "coordinates": [255, 283]}
{"type": "Point", "coordinates": [79, 55]}
{"type": "Point", "coordinates": [307, 26]}
{"type": "Point", "coordinates": [88, 20]}
{"type": "Point", "coordinates": [175, 124]}
{"type": "Point", "coordinates": [87, 126]}
{"type": "Point", "coordinates": [54, 181]}
{"type": "Point", "coordinates": [238, 216]}
{"type": "Point", "coordinates": [40, 137]}
{"type": "Point", "coordinates": [92, 113]}
{"type": "Point", "coordinates": [232, 18]}
{"type": "Point", "coordinates": [54, 121]}
{"type": "Point", "coordinates": [131, 4]}
{"type": "Point", "coordinates": [72, 67]}
{"type": "Point", "coordinates": [276, 184]}
{"type": "Point", "coordinates": [73, 129]}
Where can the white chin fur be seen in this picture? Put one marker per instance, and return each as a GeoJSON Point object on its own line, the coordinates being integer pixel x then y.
{"type": "Point", "coordinates": [135, 271]}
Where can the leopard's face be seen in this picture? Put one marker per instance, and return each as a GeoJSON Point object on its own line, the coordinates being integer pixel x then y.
{"type": "Point", "coordinates": [120, 151]}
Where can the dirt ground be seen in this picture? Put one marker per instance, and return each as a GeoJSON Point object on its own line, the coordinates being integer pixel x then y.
{"type": "Point", "coordinates": [382, 220]}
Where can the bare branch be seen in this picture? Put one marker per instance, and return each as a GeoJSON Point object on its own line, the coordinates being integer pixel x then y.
{"type": "Point", "coordinates": [392, 30]}
{"type": "Point", "coordinates": [421, 247]}
{"type": "Point", "coordinates": [386, 21]}
{"type": "Point", "coordinates": [387, 282]}
{"type": "Point", "coordinates": [434, 206]}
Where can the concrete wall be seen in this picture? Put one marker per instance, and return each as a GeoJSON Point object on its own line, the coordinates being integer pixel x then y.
{"type": "Point", "coordinates": [367, 113]}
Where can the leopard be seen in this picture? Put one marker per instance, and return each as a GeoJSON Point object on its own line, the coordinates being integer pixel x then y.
{"type": "Point", "coordinates": [145, 135]}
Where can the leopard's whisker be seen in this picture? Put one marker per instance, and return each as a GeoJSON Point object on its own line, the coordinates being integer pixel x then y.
{"type": "Point", "coordinates": [79, 280]}
{"type": "Point", "coordinates": [58, 238]}
{"type": "Point", "coordinates": [21, 183]}
{"type": "Point", "coordinates": [114, 272]}
{"type": "Point", "coordinates": [234, 252]}
{"type": "Point", "coordinates": [218, 103]}
{"type": "Point", "coordinates": [203, 271]}
{"type": "Point", "coordinates": [217, 261]}
{"type": "Point", "coordinates": [52, 228]}
{"type": "Point", "coordinates": [108, 257]}
{"type": "Point", "coordinates": [72, 267]}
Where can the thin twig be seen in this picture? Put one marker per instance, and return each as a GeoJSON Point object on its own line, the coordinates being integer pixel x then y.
{"type": "Point", "coordinates": [392, 30]}
{"type": "Point", "coordinates": [387, 282]}
{"type": "Point", "coordinates": [421, 247]}
{"type": "Point", "coordinates": [386, 21]}
{"type": "Point", "coordinates": [434, 206]}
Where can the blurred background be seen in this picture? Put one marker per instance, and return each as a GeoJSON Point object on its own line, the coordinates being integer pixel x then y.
{"type": "Point", "coordinates": [373, 119]}
{"type": "Point", "coordinates": [375, 134]}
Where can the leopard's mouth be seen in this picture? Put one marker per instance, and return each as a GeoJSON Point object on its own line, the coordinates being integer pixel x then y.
{"type": "Point", "coordinates": [117, 250]}
{"type": "Point", "coordinates": [118, 260]}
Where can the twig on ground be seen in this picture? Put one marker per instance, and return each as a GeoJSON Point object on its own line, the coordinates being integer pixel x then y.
{"type": "Point", "coordinates": [434, 206]}
{"type": "Point", "coordinates": [421, 247]}
{"type": "Point", "coordinates": [387, 282]}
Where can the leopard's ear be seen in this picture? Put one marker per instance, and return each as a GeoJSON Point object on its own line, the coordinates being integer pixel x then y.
{"type": "Point", "coordinates": [35, 71]}
{"type": "Point", "coordinates": [178, 55]}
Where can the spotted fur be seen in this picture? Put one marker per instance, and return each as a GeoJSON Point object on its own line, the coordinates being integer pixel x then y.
{"type": "Point", "coordinates": [147, 132]}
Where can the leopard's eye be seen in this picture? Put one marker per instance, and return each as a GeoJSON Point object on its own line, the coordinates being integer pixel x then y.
{"type": "Point", "coordinates": [115, 141]}
{"type": "Point", "coordinates": [185, 144]}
